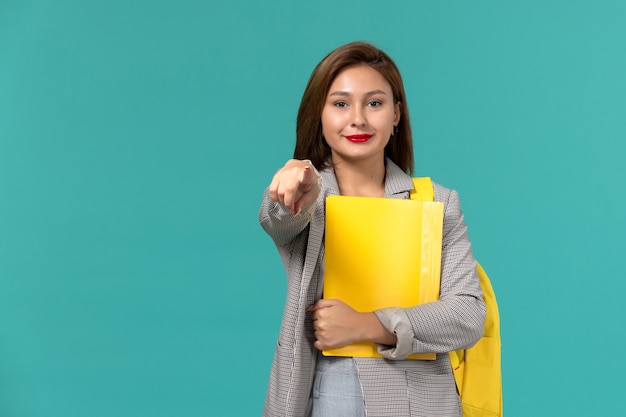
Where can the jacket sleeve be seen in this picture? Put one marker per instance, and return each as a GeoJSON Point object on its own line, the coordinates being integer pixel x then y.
{"type": "Point", "coordinates": [282, 225]}
{"type": "Point", "coordinates": [454, 322]}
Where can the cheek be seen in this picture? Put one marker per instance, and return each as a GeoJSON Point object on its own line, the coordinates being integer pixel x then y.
{"type": "Point", "coordinates": [331, 123]}
{"type": "Point", "coordinates": [384, 122]}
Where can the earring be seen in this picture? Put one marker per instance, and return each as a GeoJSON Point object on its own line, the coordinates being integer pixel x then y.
{"type": "Point", "coordinates": [395, 130]}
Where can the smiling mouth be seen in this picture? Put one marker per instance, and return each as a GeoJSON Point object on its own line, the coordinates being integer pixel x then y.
{"type": "Point", "coordinates": [359, 138]}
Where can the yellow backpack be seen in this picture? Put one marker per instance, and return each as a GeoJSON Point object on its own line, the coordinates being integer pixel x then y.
{"type": "Point", "coordinates": [477, 370]}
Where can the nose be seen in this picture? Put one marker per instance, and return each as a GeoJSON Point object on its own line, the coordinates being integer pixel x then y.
{"type": "Point", "coordinates": [358, 117]}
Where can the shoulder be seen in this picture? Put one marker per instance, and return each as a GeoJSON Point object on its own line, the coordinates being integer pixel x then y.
{"type": "Point", "coordinates": [451, 200]}
{"type": "Point", "coordinates": [442, 193]}
{"type": "Point", "coordinates": [453, 217]}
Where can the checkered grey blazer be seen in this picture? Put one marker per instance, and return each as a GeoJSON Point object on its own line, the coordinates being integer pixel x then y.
{"type": "Point", "coordinates": [394, 388]}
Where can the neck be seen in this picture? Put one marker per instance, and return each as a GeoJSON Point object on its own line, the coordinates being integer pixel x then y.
{"type": "Point", "coordinates": [366, 180]}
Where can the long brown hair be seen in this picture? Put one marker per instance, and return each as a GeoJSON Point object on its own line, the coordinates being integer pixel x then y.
{"type": "Point", "coordinates": [310, 143]}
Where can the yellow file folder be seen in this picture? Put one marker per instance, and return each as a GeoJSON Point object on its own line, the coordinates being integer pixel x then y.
{"type": "Point", "coordinates": [381, 252]}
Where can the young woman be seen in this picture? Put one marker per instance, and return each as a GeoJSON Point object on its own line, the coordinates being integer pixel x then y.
{"type": "Point", "coordinates": [353, 137]}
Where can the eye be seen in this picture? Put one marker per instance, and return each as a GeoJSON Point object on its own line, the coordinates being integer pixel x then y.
{"type": "Point", "coordinates": [375, 103]}
{"type": "Point", "coordinates": [340, 104]}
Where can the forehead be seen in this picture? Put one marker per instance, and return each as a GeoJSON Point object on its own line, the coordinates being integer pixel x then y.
{"type": "Point", "coordinates": [359, 78]}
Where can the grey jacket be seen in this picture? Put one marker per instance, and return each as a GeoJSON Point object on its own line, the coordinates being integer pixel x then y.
{"type": "Point", "coordinates": [392, 386]}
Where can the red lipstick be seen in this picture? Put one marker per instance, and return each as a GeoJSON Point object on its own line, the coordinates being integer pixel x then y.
{"type": "Point", "coordinates": [362, 137]}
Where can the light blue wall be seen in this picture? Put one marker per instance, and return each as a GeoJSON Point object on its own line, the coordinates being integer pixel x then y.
{"type": "Point", "coordinates": [136, 138]}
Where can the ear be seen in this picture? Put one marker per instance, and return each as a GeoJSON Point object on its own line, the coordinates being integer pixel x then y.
{"type": "Point", "coordinates": [397, 113]}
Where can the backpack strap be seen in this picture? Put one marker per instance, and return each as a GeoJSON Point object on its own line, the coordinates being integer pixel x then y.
{"type": "Point", "coordinates": [423, 190]}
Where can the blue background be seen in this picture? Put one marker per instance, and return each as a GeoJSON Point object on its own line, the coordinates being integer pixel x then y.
{"type": "Point", "coordinates": [136, 138]}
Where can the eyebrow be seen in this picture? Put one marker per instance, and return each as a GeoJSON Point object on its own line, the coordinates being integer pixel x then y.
{"type": "Point", "coordinates": [345, 93]}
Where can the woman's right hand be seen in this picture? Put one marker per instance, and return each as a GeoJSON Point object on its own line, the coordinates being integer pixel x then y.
{"type": "Point", "coordinates": [297, 184]}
